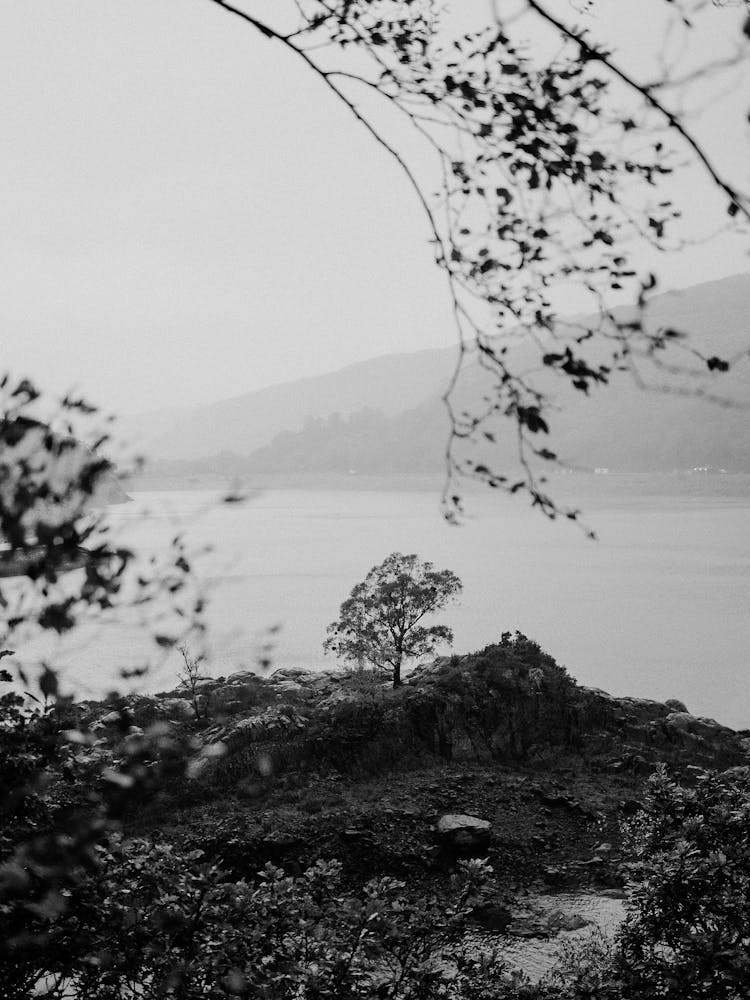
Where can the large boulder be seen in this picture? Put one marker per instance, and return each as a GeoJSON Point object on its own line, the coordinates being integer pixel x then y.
{"type": "Point", "coordinates": [274, 722]}
{"type": "Point", "coordinates": [325, 678]}
{"type": "Point", "coordinates": [176, 708]}
{"type": "Point", "coordinates": [292, 689]}
{"type": "Point", "coordinates": [464, 834]}
{"type": "Point", "coordinates": [680, 721]}
{"type": "Point", "coordinates": [241, 676]}
{"type": "Point", "coordinates": [706, 729]}
{"type": "Point", "coordinates": [676, 705]}
{"type": "Point", "coordinates": [298, 674]}
{"type": "Point", "coordinates": [230, 692]}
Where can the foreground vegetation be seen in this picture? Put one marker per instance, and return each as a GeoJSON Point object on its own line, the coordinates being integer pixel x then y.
{"type": "Point", "coordinates": [123, 875]}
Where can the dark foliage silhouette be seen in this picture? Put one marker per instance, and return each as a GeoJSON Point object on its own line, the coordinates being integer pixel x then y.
{"type": "Point", "coordinates": [382, 620]}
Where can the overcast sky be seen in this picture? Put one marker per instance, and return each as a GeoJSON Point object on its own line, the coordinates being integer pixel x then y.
{"type": "Point", "coordinates": [186, 215]}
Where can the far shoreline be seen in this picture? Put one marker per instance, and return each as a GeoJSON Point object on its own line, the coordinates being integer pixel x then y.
{"type": "Point", "coordinates": [567, 486]}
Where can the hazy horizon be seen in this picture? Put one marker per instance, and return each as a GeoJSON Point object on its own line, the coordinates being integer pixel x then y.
{"type": "Point", "coordinates": [564, 317]}
{"type": "Point", "coordinates": [206, 221]}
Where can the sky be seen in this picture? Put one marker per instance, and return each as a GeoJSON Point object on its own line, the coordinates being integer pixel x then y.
{"type": "Point", "coordinates": [186, 214]}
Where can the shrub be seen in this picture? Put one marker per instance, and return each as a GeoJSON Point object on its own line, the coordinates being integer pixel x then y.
{"type": "Point", "coordinates": [148, 921]}
{"type": "Point", "coordinates": [367, 682]}
{"type": "Point", "coordinates": [584, 968]}
{"type": "Point", "coordinates": [688, 931]}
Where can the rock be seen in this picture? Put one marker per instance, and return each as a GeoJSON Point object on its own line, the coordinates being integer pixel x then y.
{"type": "Point", "coordinates": [242, 675]}
{"type": "Point", "coordinates": [527, 927]}
{"type": "Point", "coordinates": [555, 875]}
{"type": "Point", "coordinates": [276, 719]}
{"type": "Point", "coordinates": [679, 721]}
{"type": "Point", "coordinates": [424, 671]}
{"type": "Point", "coordinates": [340, 696]}
{"type": "Point", "coordinates": [558, 801]}
{"type": "Point", "coordinates": [464, 834]}
{"type": "Point", "coordinates": [293, 688]}
{"type": "Point", "coordinates": [353, 833]}
{"type": "Point", "coordinates": [229, 692]}
{"type": "Point", "coordinates": [561, 921]}
{"type": "Point", "coordinates": [297, 674]}
{"type": "Point", "coordinates": [493, 916]}
{"type": "Point", "coordinates": [676, 705]}
{"type": "Point", "coordinates": [111, 718]}
{"type": "Point", "coordinates": [179, 707]}
{"type": "Point", "coordinates": [742, 772]}
{"type": "Point", "coordinates": [321, 678]}
{"type": "Point", "coordinates": [695, 771]}
{"type": "Point", "coordinates": [707, 729]}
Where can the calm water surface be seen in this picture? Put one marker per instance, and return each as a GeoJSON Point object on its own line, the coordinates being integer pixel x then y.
{"type": "Point", "coordinates": [658, 607]}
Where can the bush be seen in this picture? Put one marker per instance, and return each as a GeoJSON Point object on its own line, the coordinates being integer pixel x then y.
{"type": "Point", "coordinates": [688, 931]}
{"type": "Point", "coordinates": [148, 921]}
{"type": "Point", "coordinates": [367, 682]}
{"type": "Point", "coordinates": [584, 969]}
{"type": "Point", "coordinates": [515, 663]}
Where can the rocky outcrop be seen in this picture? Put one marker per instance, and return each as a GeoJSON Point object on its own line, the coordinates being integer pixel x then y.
{"type": "Point", "coordinates": [510, 703]}
{"type": "Point", "coordinates": [630, 732]}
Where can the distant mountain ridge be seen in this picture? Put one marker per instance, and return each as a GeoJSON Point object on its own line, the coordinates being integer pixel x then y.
{"type": "Point", "coordinates": [392, 383]}
{"type": "Point", "coordinates": [389, 416]}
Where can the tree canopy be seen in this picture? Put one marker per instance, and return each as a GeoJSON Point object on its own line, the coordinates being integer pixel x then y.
{"type": "Point", "coordinates": [381, 622]}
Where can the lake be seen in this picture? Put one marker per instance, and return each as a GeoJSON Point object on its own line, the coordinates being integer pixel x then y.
{"type": "Point", "coordinates": [658, 607]}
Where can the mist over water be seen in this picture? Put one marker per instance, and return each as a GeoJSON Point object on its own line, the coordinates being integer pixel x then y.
{"type": "Point", "coordinates": [657, 608]}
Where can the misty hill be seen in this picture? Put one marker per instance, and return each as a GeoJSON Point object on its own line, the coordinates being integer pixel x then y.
{"type": "Point", "coordinates": [367, 442]}
{"type": "Point", "coordinates": [385, 415]}
{"type": "Point", "coordinates": [391, 383]}
{"type": "Point", "coordinates": [661, 433]}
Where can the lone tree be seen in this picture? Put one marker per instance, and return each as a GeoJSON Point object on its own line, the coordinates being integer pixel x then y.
{"type": "Point", "coordinates": [380, 621]}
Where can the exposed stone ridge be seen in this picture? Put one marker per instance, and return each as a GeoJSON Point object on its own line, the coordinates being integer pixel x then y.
{"type": "Point", "coordinates": [508, 703]}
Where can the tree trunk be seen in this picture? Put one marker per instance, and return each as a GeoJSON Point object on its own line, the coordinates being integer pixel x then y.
{"type": "Point", "coordinates": [397, 674]}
